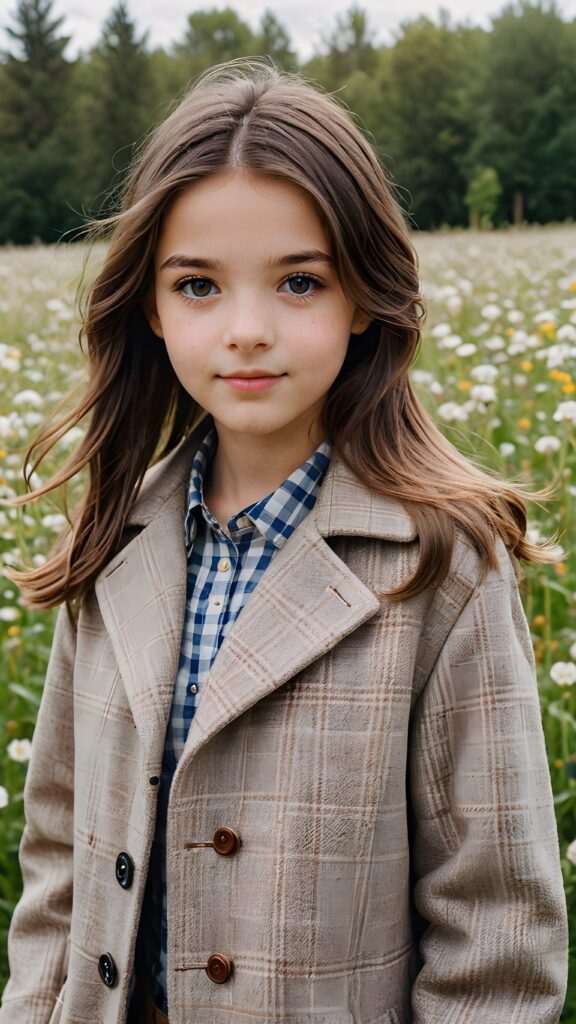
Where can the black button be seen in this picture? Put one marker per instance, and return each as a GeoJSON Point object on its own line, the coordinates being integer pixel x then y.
{"type": "Point", "coordinates": [107, 970]}
{"type": "Point", "coordinates": [154, 780]}
{"type": "Point", "coordinates": [124, 870]}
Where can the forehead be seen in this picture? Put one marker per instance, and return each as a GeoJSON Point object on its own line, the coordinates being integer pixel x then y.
{"type": "Point", "coordinates": [240, 211]}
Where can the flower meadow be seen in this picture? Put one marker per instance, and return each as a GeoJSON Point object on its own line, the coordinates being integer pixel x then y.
{"type": "Point", "coordinates": [496, 369]}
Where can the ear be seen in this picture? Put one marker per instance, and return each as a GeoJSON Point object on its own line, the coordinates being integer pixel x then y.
{"type": "Point", "coordinates": [360, 322]}
{"type": "Point", "coordinates": [151, 313]}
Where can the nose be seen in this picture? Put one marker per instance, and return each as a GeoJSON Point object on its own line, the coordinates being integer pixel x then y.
{"type": "Point", "coordinates": [248, 326]}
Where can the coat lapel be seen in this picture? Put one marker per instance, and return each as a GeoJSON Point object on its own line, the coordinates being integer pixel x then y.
{"type": "Point", "coordinates": [142, 596]}
{"type": "Point", "coordinates": [305, 603]}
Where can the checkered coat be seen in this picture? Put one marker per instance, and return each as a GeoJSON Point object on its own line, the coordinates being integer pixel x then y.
{"type": "Point", "coordinates": [383, 765]}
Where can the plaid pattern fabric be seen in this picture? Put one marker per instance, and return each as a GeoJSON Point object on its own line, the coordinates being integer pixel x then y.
{"type": "Point", "coordinates": [224, 567]}
{"type": "Point", "coordinates": [331, 720]}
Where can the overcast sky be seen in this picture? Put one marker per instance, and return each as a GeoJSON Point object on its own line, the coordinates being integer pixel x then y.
{"type": "Point", "coordinates": [305, 21]}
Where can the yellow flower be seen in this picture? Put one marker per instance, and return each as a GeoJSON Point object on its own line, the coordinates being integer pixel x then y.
{"type": "Point", "coordinates": [510, 331]}
{"type": "Point", "coordinates": [572, 286]}
{"type": "Point", "coordinates": [569, 388]}
{"type": "Point", "coordinates": [3, 453]}
{"type": "Point", "coordinates": [548, 328]}
{"type": "Point", "coordinates": [524, 423]}
{"type": "Point", "coordinates": [553, 644]}
{"type": "Point", "coordinates": [560, 375]}
{"type": "Point", "coordinates": [539, 620]}
{"type": "Point", "coordinates": [560, 568]}
{"type": "Point", "coordinates": [558, 763]}
{"type": "Point", "coordinates": [464, 385]}
{"type": "Point", "coordinates": [13, 630]}
{"type": "Point", "coordinates": [526, 365]}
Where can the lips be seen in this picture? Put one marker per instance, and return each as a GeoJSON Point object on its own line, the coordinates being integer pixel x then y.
{"type": "Point", "coordinates": [253, 382]}
{"type": "Point", "coordinates": [249, 376]}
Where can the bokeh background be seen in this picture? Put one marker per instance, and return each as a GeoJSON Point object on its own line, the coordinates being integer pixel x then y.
{"type": "Point", "coordinates": [473, 113]}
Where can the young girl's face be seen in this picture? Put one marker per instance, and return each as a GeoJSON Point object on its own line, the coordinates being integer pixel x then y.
{"type": "Point", "coordinates": [247, 299]}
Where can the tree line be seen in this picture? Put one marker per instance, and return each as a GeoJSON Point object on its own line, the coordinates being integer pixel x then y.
{"type": "Point", "coordinates": [473, 126]}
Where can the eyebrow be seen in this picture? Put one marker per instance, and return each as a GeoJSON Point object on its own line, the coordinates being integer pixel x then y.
{"type": "Point", "coordinates": [179, 261]}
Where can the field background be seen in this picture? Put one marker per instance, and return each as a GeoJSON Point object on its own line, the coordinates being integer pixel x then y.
{"type": "Point", "coordinates": [497, 369]}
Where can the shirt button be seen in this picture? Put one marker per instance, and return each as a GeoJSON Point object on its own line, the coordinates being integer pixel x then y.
{"type": "Point", "coordinates": [193, 688]}
{"type": "Point", "coordinates": [215, 602]}
{"type": "Point", "coordinates": [223, 565]}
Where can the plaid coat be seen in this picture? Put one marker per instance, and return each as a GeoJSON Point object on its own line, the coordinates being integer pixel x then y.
{"type": "Point", "coordinates": [382, 765]}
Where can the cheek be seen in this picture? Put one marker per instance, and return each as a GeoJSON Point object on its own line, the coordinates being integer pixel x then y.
{"type": "Point", "coordinates": [184, 345]}
{"type": "Point", "coordinates": [328, 341]}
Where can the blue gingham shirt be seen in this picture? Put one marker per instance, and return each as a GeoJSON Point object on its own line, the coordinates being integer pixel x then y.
{"type": "Point", "coordinates": [223, 570]}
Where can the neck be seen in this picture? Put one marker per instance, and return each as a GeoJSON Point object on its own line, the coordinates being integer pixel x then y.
{"type": "Point", "coordinates": [246, 468]}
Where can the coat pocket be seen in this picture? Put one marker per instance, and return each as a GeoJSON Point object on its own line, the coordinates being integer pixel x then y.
{"type": "Point", "coordinates": [59, 1007]}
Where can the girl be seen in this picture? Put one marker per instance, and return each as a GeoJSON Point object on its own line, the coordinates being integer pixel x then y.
{"type": "Point", "coordinates": [289, 764]}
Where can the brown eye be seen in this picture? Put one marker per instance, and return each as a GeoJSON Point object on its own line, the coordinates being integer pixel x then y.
{"type": "Point", "coordinates": [300, 284]}
{"type": "Point", "coordinates": [199, 287]}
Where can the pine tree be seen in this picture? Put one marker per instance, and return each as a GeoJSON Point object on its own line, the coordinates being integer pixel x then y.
{"type": "Point", "coordinates": [122, 104]}
{"type": "Point", "coordinates": [36, 75]}
{"type": "Point", "coordinates": [37, 144]}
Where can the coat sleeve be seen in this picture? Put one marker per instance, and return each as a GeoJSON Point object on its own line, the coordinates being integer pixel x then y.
{"type": "Point", "coordinates": [38, 941]}
{"type": "Point", "coordinates": [486, 860]}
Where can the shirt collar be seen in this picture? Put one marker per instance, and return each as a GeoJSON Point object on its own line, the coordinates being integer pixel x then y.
{"type": "Point", "coordinates": [275, 516]}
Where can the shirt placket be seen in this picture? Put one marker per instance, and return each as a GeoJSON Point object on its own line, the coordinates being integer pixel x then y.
{"type": "Point", "coordinates": [225, 557]}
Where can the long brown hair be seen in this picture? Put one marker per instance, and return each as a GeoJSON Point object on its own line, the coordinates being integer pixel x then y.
{"type": "Point", "coordinates": [247, 114]}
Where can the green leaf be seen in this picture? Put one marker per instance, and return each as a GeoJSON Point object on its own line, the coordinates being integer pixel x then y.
{"type": "Point", "coordinates": [27, 694]}
{"type": "Point", "coordinates": [558, 711]}
{"type": "Point", "coordinates": [566, 794]}
{"type": "Point", "coordinates": [560, 587]}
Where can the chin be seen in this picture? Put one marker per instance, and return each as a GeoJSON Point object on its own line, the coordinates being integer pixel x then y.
{"type": "Point", "coordinates": [248, 418]}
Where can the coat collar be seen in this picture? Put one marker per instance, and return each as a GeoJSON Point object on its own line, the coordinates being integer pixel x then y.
{"type": "Point", "coordinates": [344, 507]}
{"type": "Point", "coordinates": [306, 602]}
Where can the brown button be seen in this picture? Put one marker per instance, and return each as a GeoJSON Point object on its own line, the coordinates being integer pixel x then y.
{"type": "Point", "coordinates": [218, 968]}
{"type": "Point", "coordinates": [225, 841]}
